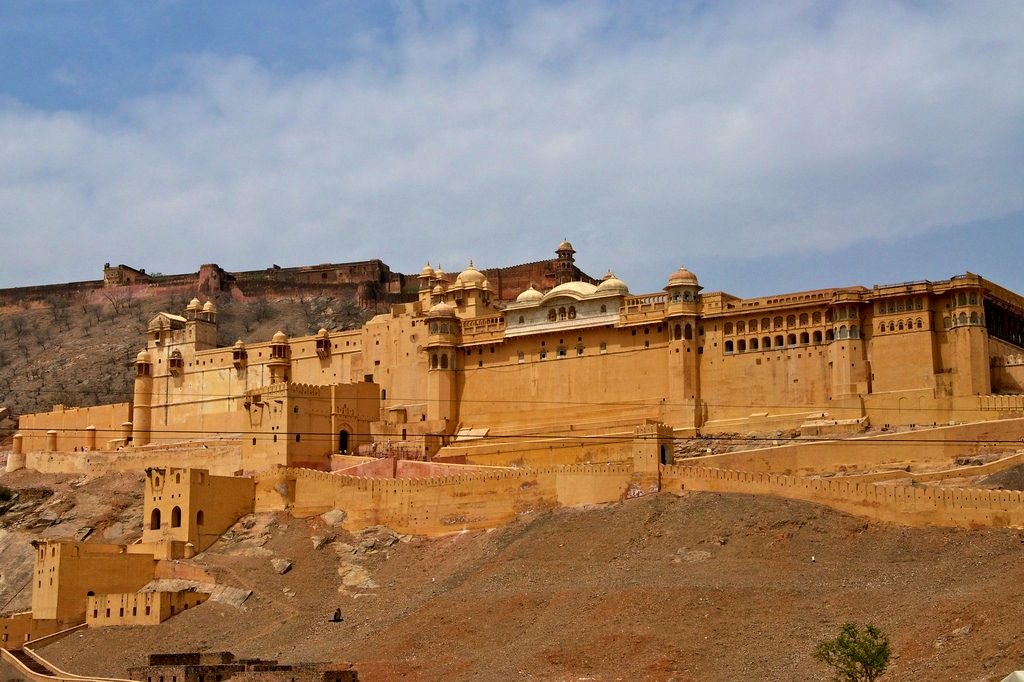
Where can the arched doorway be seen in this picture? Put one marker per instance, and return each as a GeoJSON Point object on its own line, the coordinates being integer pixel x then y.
{"type": "Point", "coordinates": [176, 517]}
{"type": "Point", "coordinates": [343, 441]}
{"type": "Point", "coordinates": [154, 520]}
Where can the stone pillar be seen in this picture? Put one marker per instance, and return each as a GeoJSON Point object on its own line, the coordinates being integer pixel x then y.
{"type": "Point", "coordinates": [90, 438]}
{"type": "Point", "coordinates": [126, 431]}
{"type": "Point", "coordinates": [51, 441]}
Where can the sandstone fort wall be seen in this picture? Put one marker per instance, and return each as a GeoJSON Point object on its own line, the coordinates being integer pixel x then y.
{"type": "Point", "coordinates": [907, 505]}
{"type": "Point", "coordinates": [441, 505]}
{"type": "Point", "coordinates": [920, 447]}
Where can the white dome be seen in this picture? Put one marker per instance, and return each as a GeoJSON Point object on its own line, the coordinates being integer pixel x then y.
{"type": "Point", "coordinates": [612, 284]}
{"type": "Point", "coordinates": [529, 296]}
{"type": "Point", "coordinates": [577, 289]}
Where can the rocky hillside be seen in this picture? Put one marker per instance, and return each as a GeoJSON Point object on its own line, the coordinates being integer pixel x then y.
{"type": "Point", "coordinates": [78, 351]}
{"type": "Point", "coordinates": [700, 587]}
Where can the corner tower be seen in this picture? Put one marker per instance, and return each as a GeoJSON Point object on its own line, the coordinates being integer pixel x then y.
{"type": "Point", "coordinates": [682, 310]}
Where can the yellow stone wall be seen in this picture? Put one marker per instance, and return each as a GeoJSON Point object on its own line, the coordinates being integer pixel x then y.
{"type": "Point", "coordinates": [139, 608]}
{"type": "Point", "coordinates": [191, 506]}
{"type": "Point", "coordinates": [65, 572]}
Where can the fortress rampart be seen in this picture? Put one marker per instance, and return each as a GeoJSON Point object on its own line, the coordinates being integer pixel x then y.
{"type": "Point", "coordinates": [918, 505]}
{"type": "Point", "coordinates": [441, 505]}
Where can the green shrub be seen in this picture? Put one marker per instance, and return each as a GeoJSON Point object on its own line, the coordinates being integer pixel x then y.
{"type": "Point", "coordinates": [855, 655]}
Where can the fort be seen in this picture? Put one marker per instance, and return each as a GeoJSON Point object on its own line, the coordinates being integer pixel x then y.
{"type": "Point", "coordinates": [484, 394]}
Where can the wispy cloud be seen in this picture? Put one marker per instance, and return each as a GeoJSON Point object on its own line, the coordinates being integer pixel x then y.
{"type": "Point", "coordinates": [647, 139]}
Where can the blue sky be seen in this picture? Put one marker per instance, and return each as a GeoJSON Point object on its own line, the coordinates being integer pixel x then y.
{"type": "Point", "coordinates": [769, 147]}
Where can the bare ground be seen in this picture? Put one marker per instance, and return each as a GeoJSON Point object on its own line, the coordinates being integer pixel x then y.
{"type": "Point", "coordinates": [705, 586]}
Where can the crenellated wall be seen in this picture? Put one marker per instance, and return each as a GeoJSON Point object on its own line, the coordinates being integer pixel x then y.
{"type": "Point", "coordinates": [921, 447]}
{"type": "Point", "coordinates": [915, 505]}
{"type": "Point", "coordinates": [440, 505]}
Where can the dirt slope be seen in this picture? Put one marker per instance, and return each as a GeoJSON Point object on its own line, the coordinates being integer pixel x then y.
{"type": "Point", "coordinates": [701, 587]}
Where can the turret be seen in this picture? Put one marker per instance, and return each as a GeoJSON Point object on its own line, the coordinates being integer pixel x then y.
{"type": "Point", "coordinates": [142, 400]}
{"type": "Point", "coordinates": [682, 309]}
{"type": "Point", "coordinates": [565, 265]}
{"type": "Point", "coordinates": [280, 359]}
{"type": "Point", "coordinates": [442, 340]}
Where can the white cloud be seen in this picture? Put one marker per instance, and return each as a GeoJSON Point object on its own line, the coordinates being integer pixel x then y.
{"type": "Point", "coordinates": [746, 131]}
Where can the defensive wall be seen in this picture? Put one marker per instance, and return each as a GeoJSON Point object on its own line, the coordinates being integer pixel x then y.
{"type": "Point", "coordinates": [920, 447]}
{"type": "Point", "coordinates": [75, 428]}
{"type": "Point", "coordinates": [219, 457]}
{"type": "Point", "coordinates": [441, 505]}
{"type": "Point", "coordinates": [917, 505]}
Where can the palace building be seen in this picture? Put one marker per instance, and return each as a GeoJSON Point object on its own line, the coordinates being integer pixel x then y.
{"type": "Point", "coordinates": [467, 359]}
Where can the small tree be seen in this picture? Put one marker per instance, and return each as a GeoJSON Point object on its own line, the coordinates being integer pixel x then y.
{"type": "Point", "coordinates": [855, 655]}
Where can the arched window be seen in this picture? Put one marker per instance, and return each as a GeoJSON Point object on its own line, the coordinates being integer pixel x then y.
{"type": "Point", "coordinates": [881, 327]}
{"type": "Point", "coordinates": [677, 332]}
{"type": "Point", "coordinates": [805, 338]}
{"type": "Point", "coordinates": [963, 317]}
{"type": "Point", "coordinates": [444, 361]}
{"type": "Point", "coordinates": [753, 325]}
{"type": "Point", "coordinates": [892, 327]}
{"type": "Point", "coordinates": [962, 298]}
{"type": "Point", "coordinates": [779, 341]}
{"type": "Point", "coordinates": [154, 520]}
{"type": "Point", "coordinates": [604, 308]}
{"type": "Point", "coordinates": [176, 517]}
{"type": "Point", "coordinates": [816, 318]}
{"type": "Point", "coordinates": [728, 328]}
{"type": "Point", "coordinates": [522, 357]}
{"type": "Point", "coordinates": [688, 332]}
{"type": "Point", "coordinates": [572, 312]}
{"type": "Point", "coordinates": [200, 517]}
{"type": "Point", "coordinates": [522, 319]}
{"type": "Point", "coordinates": [973, 300]}
{"type": "Point", "coordinates": [561, 313]}
{"type": "Point", "coordinates": [791, 340]}
{"type": "Point", "coordinates": [753, 343]}
{"type": "Point", "coordinates": [974, 318]}
{"type": "Point", "coordinates": [766, 324]}
{"type": "Point", "coordinates": [829, 336]}
{"type": "Point", "coordinates": [741, 327]}
{"type": "Point", "coordinates": [817, 337]}
{"type": "Point", "coordinates": [766, 343]}
{"type": "Point", "coordinates": [828, 315]}
{"type": "Point", "coordinates": [919, 323]}
{"type": "Point", "coordinates": [177, 477]}
{"type": "Point", "coordinates": [741, 346]}
{"type": "Point", "coordinates": [844, 333]}
{"type": "Point", "coordinates": [383, 394]}
{"type": "Point", "coordinates": [552, 315]}
{"type": "Point", "coordinates": [854, 332]}
{"type": "Point", "coordinates": [790, 320]}
{"type": "Point", "coordinates": [803, 319]}
{"type": "Point", "coordinates": [777, 322]}
{"type": "Point", "coordinates": [900, 326]}
{"type": "Point", "coordinates": [433, 360]}
{"type": "Point", "coordinates": [728, 346]}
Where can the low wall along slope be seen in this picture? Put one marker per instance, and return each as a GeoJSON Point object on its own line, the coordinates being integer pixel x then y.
{"type": "Point", "coordinates": [908, 505]}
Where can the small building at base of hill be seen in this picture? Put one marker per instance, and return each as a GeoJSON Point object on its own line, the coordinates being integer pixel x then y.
{"type": "Point", "coordinates": [222, 665]}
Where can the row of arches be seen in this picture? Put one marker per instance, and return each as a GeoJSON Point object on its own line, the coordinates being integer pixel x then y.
{"type": "Point", "coordinates": [899, 305]}
{"type": "Point", "coordinates": [900, 325]}
{"type": "Point", "coordinates": [155, 521]}
{"type": "Point", "coordinates": [963, 319]}
{"type": "Point", "coordinates": [790, 340]}
{"type": "Point", "coordinates": [778, 322]}
{"type": "Point", "coordinates": [440, 360]}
